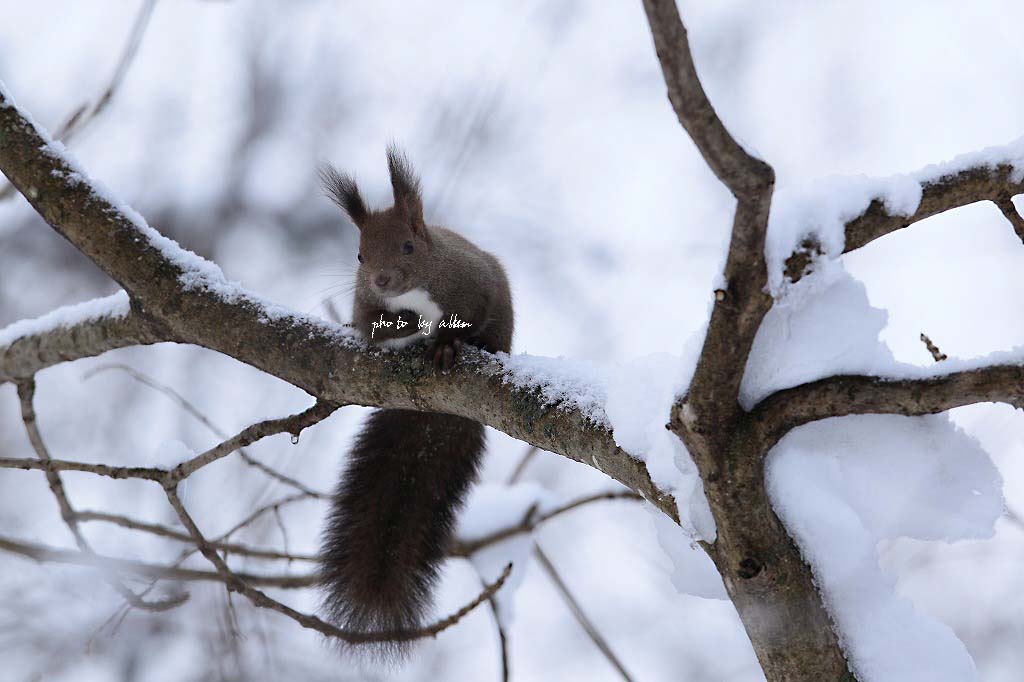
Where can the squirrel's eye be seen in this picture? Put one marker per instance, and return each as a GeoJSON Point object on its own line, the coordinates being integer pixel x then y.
{"type": "Point", "coordinates": [407, 248]}
{"type": "Point", "coordinates": [359, 257]}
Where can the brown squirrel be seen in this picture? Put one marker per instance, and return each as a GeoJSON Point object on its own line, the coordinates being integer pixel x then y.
{"type": "Point", "coordinates": [391, 518]}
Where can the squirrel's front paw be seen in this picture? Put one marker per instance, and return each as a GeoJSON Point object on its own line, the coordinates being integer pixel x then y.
{"type": "Point", "coordinates": [441, 354]}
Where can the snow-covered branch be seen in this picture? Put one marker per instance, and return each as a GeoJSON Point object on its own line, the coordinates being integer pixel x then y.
{"type": "Point", "coordinates": [841, 214]}
{"type": "Point", "coordinates": [843, 395]}
{"type": "Point", "coordinates": [180, 297]}
{"type": "Point", "coordinates": [71, 333]}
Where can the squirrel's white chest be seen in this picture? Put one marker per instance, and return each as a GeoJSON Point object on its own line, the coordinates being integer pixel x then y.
{"type": "Point", "coordinates": [420, 302]}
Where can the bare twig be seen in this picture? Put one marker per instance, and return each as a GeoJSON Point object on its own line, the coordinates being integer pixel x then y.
{"type": "Point", "coordinates": [86, 113]}
{"type": "Point", "coordinates": [271, 507]}
{"type": "Point", "coordinates": [577, 612]}
{"type": "Point", "coordinates": [528, 456]}
{"type": "Point", "coordinates": [270, 427]}
{"type": "Point", "coordinates": [294, 425]}
{"type": "Point", "coordinates": [167, 532]}
{"type": "Point", "coordinates": [937, 354]}
{"type": "Point", "coordinates": [502, 638]}
{"type": "Point", "coordinates": [43, 553]}
{"type": "Point", "coordinates": [461, 549]}
{"type": "Point", "coordinates": [26, 395]}
{"type": "Point", "coordinates": [261, 599]}
{"type": "Point", "coordinates": [194, 411]}
{"type": "Point", "coordinates": [531, 520]}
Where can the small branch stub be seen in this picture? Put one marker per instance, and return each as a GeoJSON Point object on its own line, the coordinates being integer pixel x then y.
{"type": "Point", "coordinates": [937, 354]}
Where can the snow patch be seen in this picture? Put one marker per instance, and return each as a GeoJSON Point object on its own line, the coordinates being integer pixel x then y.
{"type": "Point", "coordinates": [640, 398]}
{"type": "Point", "coordinates": [825, 325]}
{"type": "Point", "coordinates": [693, 572]}
{"type": "Point", "coordinates": [843, 484]}
{"type": "Point", "coordinates": [818, 211]}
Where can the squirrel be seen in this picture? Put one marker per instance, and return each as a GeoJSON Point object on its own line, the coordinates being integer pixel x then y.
{"type": "Point", "coordinates": [392, 516]}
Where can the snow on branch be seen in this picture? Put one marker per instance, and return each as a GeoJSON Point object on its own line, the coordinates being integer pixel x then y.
{"type": "Point", "coordinates": [836, 215]}
{"type": "Point", "coordinates": [178, 296]}
{"type": "Point", "coordinates": [70, 333]}
{"type": "Point", "coordinates": [930, 393]}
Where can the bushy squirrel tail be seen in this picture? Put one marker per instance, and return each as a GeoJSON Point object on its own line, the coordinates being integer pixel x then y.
{"type": "Point", "coordinates": [391, 520]}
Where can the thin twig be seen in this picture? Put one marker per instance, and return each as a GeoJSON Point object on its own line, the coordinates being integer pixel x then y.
{"type": "Point", "coordinates": [531, 452]}
{"type": "Point", "coordinates": [46, 554]}
{"type": "Point", "coordinates": [26, 397]}
{"type": "Point", "coordinates": [531, 520]}
{"type": "Point", "coordinates": [261, 599]}
{"type": "Point", "coordinates": [260, 511]}
{"type": "Point", "coordinates": [86, 113]}
{"type": "Point", "coordinates": [502, 638]}
{"type": "Point", "coordinates": [191, 409]}
{"type": "Point", "coordinates": [937, 354]}
{"type": "Point", "coordinates": [294, 425]}
{"type": "Point", "coordinates": [167, 532]}
{"type": "Point", "coordinates": [577, 611]}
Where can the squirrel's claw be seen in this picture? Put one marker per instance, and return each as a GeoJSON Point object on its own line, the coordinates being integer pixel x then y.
{"type": "Point", "coordinates": [442, 354]}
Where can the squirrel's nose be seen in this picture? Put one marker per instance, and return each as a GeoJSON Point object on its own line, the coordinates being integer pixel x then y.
{"type": "Point", "coordinates": [382, 279]}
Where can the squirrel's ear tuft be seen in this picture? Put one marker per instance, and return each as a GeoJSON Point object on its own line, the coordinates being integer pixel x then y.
{"type": "Point", "coordinates": [341, 188]}
{"type": "Point", "coordinates": [406, 187]}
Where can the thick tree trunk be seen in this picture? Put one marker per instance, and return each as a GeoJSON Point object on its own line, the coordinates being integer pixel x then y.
{"type": "Point", "coordinates": [765, 575]}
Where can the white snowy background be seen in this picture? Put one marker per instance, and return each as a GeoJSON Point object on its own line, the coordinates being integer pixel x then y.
{"type": "Point", "coordinates": [542, 132]}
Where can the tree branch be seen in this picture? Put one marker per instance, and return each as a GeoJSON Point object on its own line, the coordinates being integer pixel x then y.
{"type": "Point", "coordinates": [1005, 204]}
{"type": "Point", "coordinates": [950, 190]}
{"type": "Point", "coordinates": [839, 396]}
{"type": "Point", "coordinates": [741, 305]}
{"type": "Point", "coordinates": [23, 354]}
{"type": "Point", "coordinates": [744, 175]}
{"type": "Point", "coordinates": [261, 599]}
{"type": "Point", "coordinates": [184, 299]}
{"type": "Point", "coordinates": [26, 395]}
{"type": "Point", "coordinates": [941, 190]}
